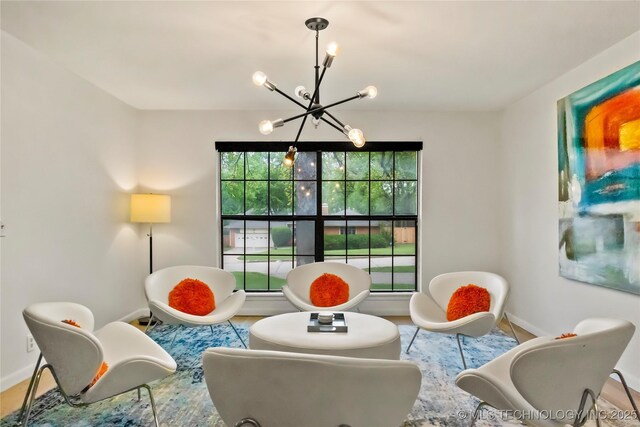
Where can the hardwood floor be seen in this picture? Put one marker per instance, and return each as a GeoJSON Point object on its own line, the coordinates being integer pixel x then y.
{"type": "Point", "coordinates": [11, 399]}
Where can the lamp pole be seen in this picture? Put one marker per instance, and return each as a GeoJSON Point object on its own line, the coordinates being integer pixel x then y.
{"type": "Point", "coordinates": [150, 248]}
{"type": "Point", "coordinates": [144, 321]}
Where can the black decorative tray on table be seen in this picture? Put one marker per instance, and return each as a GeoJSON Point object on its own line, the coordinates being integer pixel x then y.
{"type": "Point", "coordinates": [339, 324]}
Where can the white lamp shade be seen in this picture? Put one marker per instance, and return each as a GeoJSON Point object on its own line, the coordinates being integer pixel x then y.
{"type": "Point", "coordinates": [150, 208]}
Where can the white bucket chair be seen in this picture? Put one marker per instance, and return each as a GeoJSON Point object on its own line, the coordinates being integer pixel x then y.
{"type": "Point", "coordinates": [549, 380]}
{"type": "Point", "coordinates": [300, 278]}
{"type": "Point", "coordinates": [222, 283]}
{"type": "Point", "coordinates": [429, 311]}
{"type": "Point", "coordinates": [75, 354]}
{"type": "Point", "coordinates": [262, 388]}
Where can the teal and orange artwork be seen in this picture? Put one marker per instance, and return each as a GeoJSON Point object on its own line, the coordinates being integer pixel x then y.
{"type": "Point", "coordinates": [599, 182]}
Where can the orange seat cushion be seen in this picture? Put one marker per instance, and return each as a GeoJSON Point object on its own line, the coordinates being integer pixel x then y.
{"type": "Point", "coordinates": [192, 296]}
{"type": "Point", "coordinates": [567, 335]}
{"type": "Point", "coordinates": [328, 290]}
{"type": "Point", "coordinates": [71, 322]}
{"type": "Point", "coordinates": [101, 371]}
{"type": "Point", "coordinates": [467, 300]}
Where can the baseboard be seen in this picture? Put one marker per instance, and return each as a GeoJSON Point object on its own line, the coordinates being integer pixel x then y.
{"type": "Point", "coordinates": [20, 375]}
{"type": "Point", "coordinates": [141, 312]}
{"type": "Point", "coordinates": [383, 304]}
{"type": "Point", "coordinates": [527, 326]}
{"type": "Point", "coordinates": [17, 377]}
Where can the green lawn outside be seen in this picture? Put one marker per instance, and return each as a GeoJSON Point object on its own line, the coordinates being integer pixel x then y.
{"type": "Point", "coordinates": [285, 253]}
{"type": "Point", "coordinates": [257, 281]}
{"type": "Point", "coordinates": [400, 249]}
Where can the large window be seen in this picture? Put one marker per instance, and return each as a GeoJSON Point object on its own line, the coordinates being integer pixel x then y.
{"type": "Point", "coordinates": [356, 207]}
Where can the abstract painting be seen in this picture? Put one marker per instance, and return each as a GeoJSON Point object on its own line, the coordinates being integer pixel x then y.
{"type": "Point", "coordinates": [599, 182]}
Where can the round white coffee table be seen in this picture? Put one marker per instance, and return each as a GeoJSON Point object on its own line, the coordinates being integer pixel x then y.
{"type": "Point", "coordinates": [368, 336]}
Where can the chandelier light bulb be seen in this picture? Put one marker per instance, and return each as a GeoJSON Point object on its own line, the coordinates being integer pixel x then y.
{"type": "Point", "coordinates": [259, 78]}
{"type": "Point", "coordinates": [265, 127]}
{"type": "Point", "coordinates": [300, 92]}
{"type": "Point", "coordinates": [369, 91]}
{"type": "Point", "coordinates": [290, 157]}
{"type": "Point", "coordinates": [357, 137]}
{"type": "Point", "coordinates": [332, 49]}
{"type": "Point", "coordinates": [372, 91]}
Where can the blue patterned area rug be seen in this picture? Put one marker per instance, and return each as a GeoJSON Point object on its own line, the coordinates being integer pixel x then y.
{"type": "Point", "coordinates": [183, 400]}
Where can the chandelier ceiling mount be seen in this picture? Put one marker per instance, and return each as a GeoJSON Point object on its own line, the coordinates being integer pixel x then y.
{"type": "Point", "coordinates": [314, 108]}
{"type": "Point", "coordinates": [316, 24]}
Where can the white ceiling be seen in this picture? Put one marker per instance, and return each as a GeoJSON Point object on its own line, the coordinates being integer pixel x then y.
{"type": "Point", "coordinates": [421, 55]}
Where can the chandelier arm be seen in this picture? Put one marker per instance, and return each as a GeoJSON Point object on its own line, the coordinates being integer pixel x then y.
{"type": "Point", "coordinates": [300, 129]}
{"type": "Point", "coordinates": [290, 98]}
{"type": "Point", "coordinates": [324, 108]}
{"type": "Point", "coordinates": [338, 128]}
{"type": "Point", "coordinates": [333, 125]}
{"type": "Point", "coordinates": [316, 90]}
{"type": "Point", "coordinates": [336, 120]}
{"type": "Point", "coordinates": [309, 110]}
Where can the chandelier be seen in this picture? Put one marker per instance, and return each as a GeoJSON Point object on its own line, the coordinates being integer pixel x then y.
{"type": "Point", "coordinates": [317, 111]}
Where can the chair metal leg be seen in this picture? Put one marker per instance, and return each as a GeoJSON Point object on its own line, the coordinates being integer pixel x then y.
{"type": "Point", "coordinates": [26, 396]}
{"type": "Point", "coordinates": [477, 412]}
{"type": "Point", "coordinates": [211, 327]}
{"type": "Point", "coordinates": [149, 325]}
{"type": "Point", "coordinates": [34, 390]}
{"type": "Point", "coordinates": [464, 363]}
{"type": "Point", "coordinates": [412, 339]}
{"type": "Point", "coordinates": [32, 397]}
{"type": "Point", "coordinates": [247, 421]}
{"type": "Point", "coordinates": [580, 419]}
{"type": "Point", "coordinates": [68, 399]}
{"type": "Point", "coordinates": [175, 335]}
{"type": "Point", "coordinates": [513, 331]}
{"type": "Point", "coordinates": [153, 405]}
{"type": "Point", "coordinates": [626, 389]}
{"type": "Point", "coordinates": [597, 412]}
{"type": "Point", "coordinates": [236, 331]}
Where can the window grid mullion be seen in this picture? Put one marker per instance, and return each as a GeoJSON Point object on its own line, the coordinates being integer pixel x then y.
{"type": "Point", "coordinates": [319, 219]}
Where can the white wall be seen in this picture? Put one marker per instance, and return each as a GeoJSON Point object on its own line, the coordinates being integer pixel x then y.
{"type": "Point", "coordinates": [460, 224]}
{"type": "Point", "coordinates": [68, 162]}
{"type": "Point", "coordinates": [542, 300]}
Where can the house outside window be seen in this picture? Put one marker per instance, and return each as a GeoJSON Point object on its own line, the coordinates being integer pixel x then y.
{"type": "Point", "coordinates": [349, 230]}
{"type": "Point", "coordinates": [336, 204]}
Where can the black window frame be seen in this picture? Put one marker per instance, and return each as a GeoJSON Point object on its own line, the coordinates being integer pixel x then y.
{"type": "Point", "coordinates": [319, 218]}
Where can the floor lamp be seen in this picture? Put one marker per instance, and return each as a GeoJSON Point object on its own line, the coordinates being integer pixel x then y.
{"type": "Point", "coordinates": [150, 209]}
